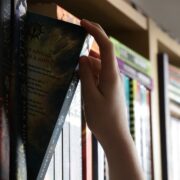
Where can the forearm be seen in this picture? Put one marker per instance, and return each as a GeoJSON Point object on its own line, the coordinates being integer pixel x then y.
{"type": "Point", "coordinates": [122, 157]}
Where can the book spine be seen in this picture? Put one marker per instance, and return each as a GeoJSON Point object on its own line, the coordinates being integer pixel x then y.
{"type": "Point", "coordinates": [131, 109]}
{"type": "Point", "coordinates": [131, 58]}
{"type": "Point", "coordinates": [5, 76]}
{"type": "Point", "coordinates": [135, 74]}
{"type": "Point", "coordinates": [58, 128]}
{"type": "Point", "coordinates": [87, 153]}
{"type": "Point", "coordinates": [59, 159]}
{"type": "Point", "coordinates": [95, 157]}
{"type": "Point", "coordinates": [50, 172]}
{"type": "Point", "coordinates": [66, 148]}
{"type": "Point", "coordinates": [163, 74]}
{"type": "Point", "coordinates": [75, 136]}
{"type": "Point", "coordinates": [18, 129]}
{"type": "Point", "coordinates": [100, 162]}
{"type": "Point", "coordinates": [126, 87]}
{"type": "Point", "coordinates": [138, 122]}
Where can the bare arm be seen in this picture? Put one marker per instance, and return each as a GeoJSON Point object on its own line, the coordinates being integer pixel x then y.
{"type": "Point", "coordinates": [104, 103]}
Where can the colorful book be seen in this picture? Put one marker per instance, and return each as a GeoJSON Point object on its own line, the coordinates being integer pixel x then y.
{"type": "Point", "coordinates": [131, 58]}
{"type": "Point", "coordinates": [146, 132]}
{"type": "Point", "coordinates": [131, 109]}
{"type": "Point", "coordinates": [127, 93]}
{"type": "Point", "coordinates": [53, 48]}
{"type": "Point", "coordinates": [134, 74]}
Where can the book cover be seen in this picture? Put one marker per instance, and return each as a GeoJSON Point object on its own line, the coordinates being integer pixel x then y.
{"type": "Point", "coordinates": [132, 58]}
{"type": "Point", "coordinates": [53, 48]}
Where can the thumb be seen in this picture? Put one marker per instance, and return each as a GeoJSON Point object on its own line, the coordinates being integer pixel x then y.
{"type": "Point", "coordinates": [89, 89]}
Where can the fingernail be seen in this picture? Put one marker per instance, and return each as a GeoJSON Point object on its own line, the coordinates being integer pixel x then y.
{"type": "Point", "coordinates": [84, 21]}
{"type": "Point", "coordinates": [83, 58]}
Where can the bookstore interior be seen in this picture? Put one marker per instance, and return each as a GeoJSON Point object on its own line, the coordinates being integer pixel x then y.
{"type": "Point", "coordinates": [43, 132]}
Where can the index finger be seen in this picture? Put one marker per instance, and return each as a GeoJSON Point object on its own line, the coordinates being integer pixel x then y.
{"type": "Point", "coordinates": [105, 46]}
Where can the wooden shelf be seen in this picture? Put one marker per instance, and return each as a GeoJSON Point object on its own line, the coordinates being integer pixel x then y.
{"type": "Point", "coordinates": [111, 14]}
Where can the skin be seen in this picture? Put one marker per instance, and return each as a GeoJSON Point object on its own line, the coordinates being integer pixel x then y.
{"type": "Point", "coordinates": [104, 106]}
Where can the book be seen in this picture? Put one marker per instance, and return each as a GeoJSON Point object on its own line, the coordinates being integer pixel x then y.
{"type": "Point", "coordinates": [5, 76]}
{"type": "Point", "coordinates": [131, 109]}
{"type": "Point", "coordinates": [66, 148]}
{"type": "Point", "coordinates": [101, 161]}
{"type": "Point", "coordinates": [146, 132]}
{"type": "Point", "coordinates": [134, 74]}
{"type": "Point", "coordinates": [53, 48]}
{"type": "Point", "coordinates": [87, 151]}
{"type": "Point", "coordinates": [131, 58]}
{"type": "Point", "coordinates": [163, 74]}
{"type": "Point", "coordinates": [75, 136]}
{"type": "Point", "coordinates": [59, 159]}
{"type": "Point", "coordinates": [127, 94]}
{"type": "Point", "coordinates": [174, 109]}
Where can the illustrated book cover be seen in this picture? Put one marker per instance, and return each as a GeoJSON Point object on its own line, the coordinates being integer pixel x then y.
{"type": "Point", "coordinates": [54, 48]}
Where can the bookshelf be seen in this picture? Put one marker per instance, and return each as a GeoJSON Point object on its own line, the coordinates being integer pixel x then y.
{"type": "Point", "coordinates": [138, 32]}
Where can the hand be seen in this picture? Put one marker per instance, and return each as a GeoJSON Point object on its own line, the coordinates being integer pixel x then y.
{"type": "Point", "coordinates": [105, 110]}
{"type": "Point", "coordinates": [102, 89]}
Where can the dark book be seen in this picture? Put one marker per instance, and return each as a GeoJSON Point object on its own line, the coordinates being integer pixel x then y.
{"type": "Point", "coordinates": [54, 48]}
{"type": "Point", "coordinates": [5, 76]}
{"type": "Point", "coordinates": [163, 76]}
{"type": "Point", "coordinates": [95, 157]}
{"type": "Point", "coordinates": [18, 92]}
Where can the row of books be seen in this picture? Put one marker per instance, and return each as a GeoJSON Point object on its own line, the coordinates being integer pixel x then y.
{"type": "Point", "coordinates": [174, 124]}
{"type": "Point", "coordinates": [94, 163]}
{"type": "Point", "coordinates": [40, 89]}
{"type": "Point", "coordinates": [169, 81]}
{"type": "Point", "coordinates": [174, 90]}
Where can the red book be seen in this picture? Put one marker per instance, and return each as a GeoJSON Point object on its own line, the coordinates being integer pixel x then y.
{"type": "Point", "coordinates": [86, 152]}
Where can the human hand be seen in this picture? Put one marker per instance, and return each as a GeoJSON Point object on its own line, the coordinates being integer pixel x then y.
{"type": "Point", "coordinates": [102, 89]}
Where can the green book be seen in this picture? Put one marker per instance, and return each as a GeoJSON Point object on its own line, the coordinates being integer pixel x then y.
{"type": "Point", "coordinates": [131, 58]}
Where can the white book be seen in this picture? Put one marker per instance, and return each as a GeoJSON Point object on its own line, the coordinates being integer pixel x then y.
{"type": "Point", "coordinates": [50, 171]}
{"type": "Point", "coordinates": [75, 136]}
{"type": "Point", "coordinates": [66, 149]}
{"type": "Point", "coordinates": [58, 159]}
{"type": "Point", "coordinates": [101, 162]}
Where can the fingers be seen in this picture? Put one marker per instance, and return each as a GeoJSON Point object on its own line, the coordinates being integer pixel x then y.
{"type": "Point", "coordinates": [106, 47]}
{"type": "Point", "coordinates": [88, 83]}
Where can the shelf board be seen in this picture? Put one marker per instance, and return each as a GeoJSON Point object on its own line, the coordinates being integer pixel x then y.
{"type": "Point", "coordinates": [111, 14]}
